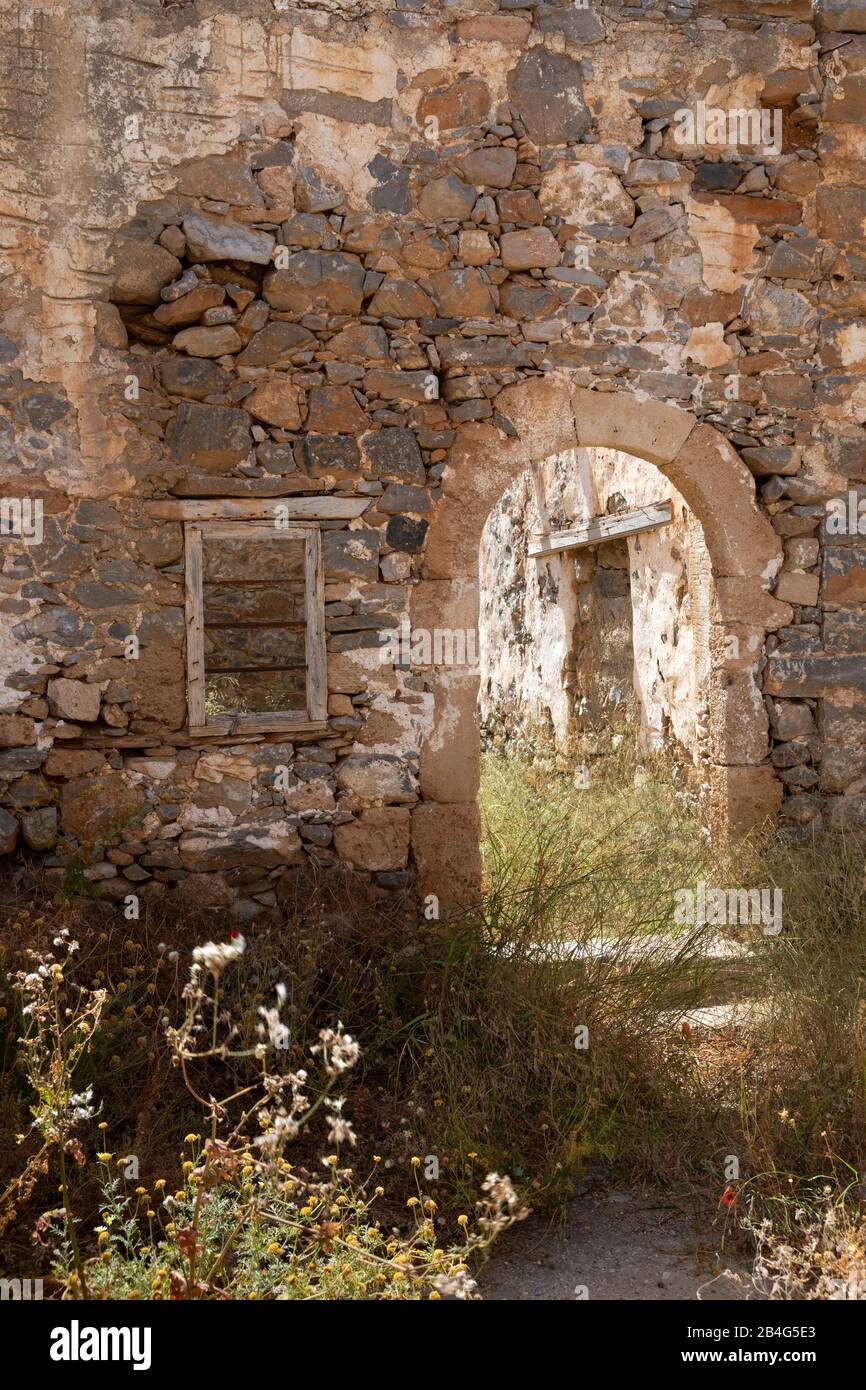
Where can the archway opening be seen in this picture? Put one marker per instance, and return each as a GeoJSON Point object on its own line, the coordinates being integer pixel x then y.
{"type": "Point", "coordinates": [596, 654]}
{"type": "Point", "coordinates": [544, 418]}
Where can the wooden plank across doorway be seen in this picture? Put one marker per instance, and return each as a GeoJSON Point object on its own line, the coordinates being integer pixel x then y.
{"type": "Point", "coordinates": [602, 528]}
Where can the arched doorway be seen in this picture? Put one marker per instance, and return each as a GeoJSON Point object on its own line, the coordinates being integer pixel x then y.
{"type": "Point", "coordinates": [594, 628]}
{"type": "Point", "coordinates": [543, 417]}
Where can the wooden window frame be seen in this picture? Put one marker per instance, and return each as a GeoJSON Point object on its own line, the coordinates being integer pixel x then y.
{"type": "Point", "coordinates": [315, 718]}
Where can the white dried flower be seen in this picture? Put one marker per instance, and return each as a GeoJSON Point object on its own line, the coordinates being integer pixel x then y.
{"type": "Point", "coordinates": [215, 956]}
{"type": "Point", "coordinates": [277, 1031]}
{"type": "Point", "coordinates": [283, 1128]}
{"type": "Point", "coordinates": [457, 1285]}
{"type": "Point", "coordinates": [340, 1130]}
{"type": "Point", "coordinates": [339, 1051]}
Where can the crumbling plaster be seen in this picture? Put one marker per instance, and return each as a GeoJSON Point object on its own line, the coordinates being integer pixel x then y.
{"type": "Point", "coordinates": [540, 665]}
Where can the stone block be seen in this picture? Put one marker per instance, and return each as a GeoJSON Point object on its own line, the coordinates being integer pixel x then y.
{"type": "Point", "coordinates": [738, 720]}
{"type": "Point", "coordinates": [16, 731]}
{"type": "Point", "coordinates": [141, 269]}
{"type": "Point", "coordinates": [377, 778]}
{"type": "Point", "coordinates": [795, 586]}
{"type": "Point", "coordinates": [743, 799]}
{"type": "Point", "coordinates": [73, 700]}
{"type": "Point", "coordinates": [451, 752]}
{"type": "Point", "coordinates": [377, 841]}
{"type": "Point", "coordinates": [445, 848]}
{"type": "Point", "coordinates": [619, 420]}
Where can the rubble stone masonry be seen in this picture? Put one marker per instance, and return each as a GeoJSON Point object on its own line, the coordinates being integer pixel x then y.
{"type": "Point", "coordinates": [385, 255]}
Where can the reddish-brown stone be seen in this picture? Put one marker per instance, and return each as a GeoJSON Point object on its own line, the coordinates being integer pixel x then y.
{"type": "Point", "coordinates": [462, 103]}
{"type": "Point", "coordinates": [401, 299]}
{"type": "Point", "coordinates": [277, 402]}
{"type": "Point", "coordinates": [377, 840]}
{"type": "Point", "coordinates": [536, 248]}
{"type": "Point", "coordinates": [463, 294]}
{"type": "Point", "coordinates": [334, 410]}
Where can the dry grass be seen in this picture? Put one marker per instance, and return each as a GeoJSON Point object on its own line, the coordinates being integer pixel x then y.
{"type": "Point", "coordinates": [468, 1026]}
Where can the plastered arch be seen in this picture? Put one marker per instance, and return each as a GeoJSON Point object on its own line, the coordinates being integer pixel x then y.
{"type": "Point", "coordinates": [547, 416]}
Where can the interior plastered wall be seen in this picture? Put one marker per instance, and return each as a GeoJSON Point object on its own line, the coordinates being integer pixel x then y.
{"type": "Point", "coordinates": [531, 622]}
{"type": "Point", "coordinates": [474, 268]}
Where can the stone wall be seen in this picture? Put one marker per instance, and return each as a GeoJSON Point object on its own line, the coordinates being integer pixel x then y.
{"type": "Point", "coordinates": [613, 637]}
{"type": "Point", "coordinates": [240, 241]}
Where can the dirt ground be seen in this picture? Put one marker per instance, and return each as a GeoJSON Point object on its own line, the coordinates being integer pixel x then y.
{"type": "Point", "coordinates": [615, 1245]}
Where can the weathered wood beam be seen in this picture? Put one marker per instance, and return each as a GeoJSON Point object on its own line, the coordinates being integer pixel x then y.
{"type": "Point", "coordinates": [223, 726]}
{"type": "Point", "coordinates": [261, 509]}
{"type": "Point", "coordinates": [603, 528]}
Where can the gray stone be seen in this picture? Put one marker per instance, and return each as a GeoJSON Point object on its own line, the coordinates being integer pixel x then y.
{"type": "Point", "coordinates": [394, 456]}
{"type": "Point", "coordinates": [404, 533]}
{"type": "Point", "coordinates": [193, 377]}
{"type": "Point", "coordinates": [28, 792]}
{"type": "Point", "coordinates": [178, 288]}
{"type": "Point", "coordinates": [8, 832]}
{"type": "Point", "coordinates": [313, 195]}
{"type": "Point", "coordinates": [39, 827]}
{"type": "Point", "coordinates": [843, 730]}
{"type": "Point", "coordinates": [210, 437]}
{"type": "Point", "coordinates": [771, 309]}
{"type": "Point", "coordinates": [92, 594]}
{"type": "Point", "coordinates": [335, 455]}
{"type": "Point", "coordinates": [801, 808]}
{"type": "Point", "coordinates": [338, 106]}
{"type": "Point", "coordinates": [392, 193]}
{"type": "Point", "coordinates": [377, 777]}
{"type": "Point", "coordinates": [547, 91]}
{"type": "Point", "coordinates": [846, 812]}
{"type": "Point", "coordinates": [15, 760]}
{"type": "Point", "coordinates": [278, 155]}
{"type": "Point", "coordinates": [212, 238]}
{"type": "Point", "coordinates": [580, 26]}
{"type": "Point", "coordinates": [793, 259]}
{"type": "Point", "coordinates": [720, 175]}
{"type": "Point", "coordinates": [351, 554]}
{"type": "Point", "coordinates": [256, 844]}
{"type": "Point", "coordinates": [649, 172]}
{"type": "Point", "coordinates": [44, 408]}
{"type": "Point", "coordinates": [845, 630]}
{"type": "Point", "coordinates": [814, 676]}
{"type": "Point", "coordinates": [652, 225]}
{"type": "Point", "coordinates": [791, 719]}
{"type": "Point", "coordinates": [401, 497]}
{"type": "Point", "coordinates": [317, 834]}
